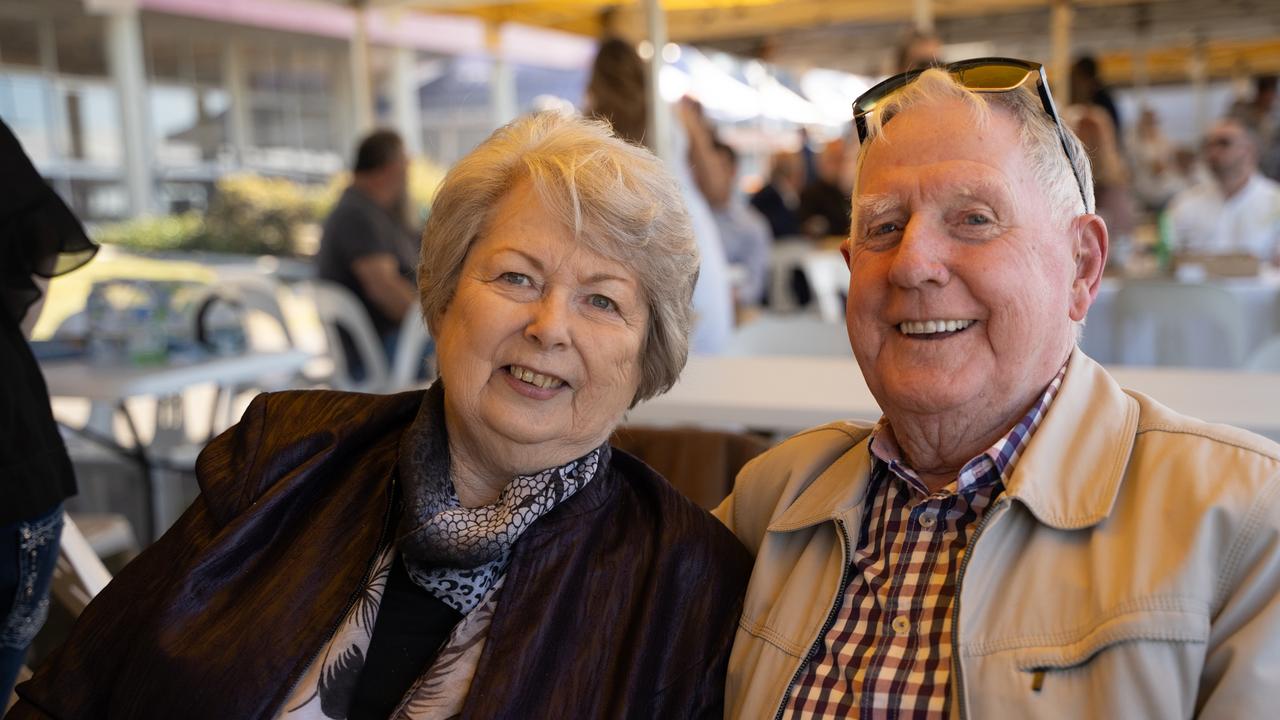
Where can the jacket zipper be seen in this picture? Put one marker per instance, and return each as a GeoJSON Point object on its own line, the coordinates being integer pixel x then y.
{"type": "Point", "coordinates": [957, 672]}
{"type": "Point", "coordinates": [351, 600]}
{"type": "Point", "coordinates": [826, 626]}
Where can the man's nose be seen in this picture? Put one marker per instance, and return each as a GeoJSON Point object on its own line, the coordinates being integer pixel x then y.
{"type": "Point", "coordinates": [921, 255]}
{"type": "Point", "coordinates": [549, 324]}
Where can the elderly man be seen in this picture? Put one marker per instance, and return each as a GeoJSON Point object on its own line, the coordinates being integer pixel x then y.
{"type": "Point", "coordinates": [1018, 536]}
{"type": "Point", "coordinates": [1239, 209]}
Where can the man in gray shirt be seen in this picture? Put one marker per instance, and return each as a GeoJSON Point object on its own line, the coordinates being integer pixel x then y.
{"type": "Point", "coordinates": [366, 246]}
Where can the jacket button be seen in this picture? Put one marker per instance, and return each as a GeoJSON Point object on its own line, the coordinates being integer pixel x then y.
{"type": "Point", "coordinates": [901, 625]}
{"type": "Point", "coordinates": [927, 519]}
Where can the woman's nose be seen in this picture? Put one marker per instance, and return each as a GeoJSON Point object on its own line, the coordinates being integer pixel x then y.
{"type": "Point", "coordinates": [549, 325]}
{"type": "Point", "coordinates": [921, 256]}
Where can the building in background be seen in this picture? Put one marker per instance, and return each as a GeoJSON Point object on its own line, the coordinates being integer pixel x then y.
{"type": "Point", "coordinates": [265, 87]}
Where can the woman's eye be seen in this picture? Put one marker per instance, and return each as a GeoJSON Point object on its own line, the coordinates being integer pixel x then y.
{"type": "Point", "coordinates": [601, 302]}
{"type": "Point", "coordinates": [515, 278]}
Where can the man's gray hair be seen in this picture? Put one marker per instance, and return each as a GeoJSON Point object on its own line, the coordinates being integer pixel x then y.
{"type": "Point", "coordinates": [616, 198]}
{"type": "Point", "coordinates": [1039, 136]}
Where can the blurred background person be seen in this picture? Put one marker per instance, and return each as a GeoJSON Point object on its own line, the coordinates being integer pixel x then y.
{"type": "Point", "coordinates": [1151, 155]}
{"type": "Point", "coordinates": [1112, 190]}
{"type": "Point", "coordinates": [1087, 88]}
{"type": "Point", "coordinates": [779, 200]}
{"type": "Point", "coordinates": [743, 230]}
{"type": "Point", "coordinates": [366, 246]}
{"type": "Point", "coordinates": [616, 94]}
{"type": "Point", "coordinates": [825, 202]}
{"type": "Point", "coordinates": [1259, 114]}
{"type": "Point", "coordinates": [1238, 210]}
{"type": "Point", "coordinates": [39, 238]}
{"type": "Point", "coordinates": [919, 50]}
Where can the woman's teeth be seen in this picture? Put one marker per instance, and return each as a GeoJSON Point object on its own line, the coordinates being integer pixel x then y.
{"type": "Point", "coordinates": [928, 327]}
{"type": "Point", "coordinates": [545, 382]}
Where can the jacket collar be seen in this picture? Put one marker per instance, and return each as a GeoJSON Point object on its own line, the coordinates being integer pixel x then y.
{"type": "Point", "coordinates": [1068, 476]}
{"type": "Point", "coordinates": [839, 491]}
{"type": "Point", "coordinates": [1070, 473]}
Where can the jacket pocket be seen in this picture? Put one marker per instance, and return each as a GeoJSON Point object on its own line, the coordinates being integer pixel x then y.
{"type": "Point", "coordinates": [1139, 664]}
{"type": "Point", "coordinates": [1072, 649]}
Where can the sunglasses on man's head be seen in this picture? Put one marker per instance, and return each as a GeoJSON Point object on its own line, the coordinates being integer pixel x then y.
{"type": "Point", "coordinates": [984, 75]}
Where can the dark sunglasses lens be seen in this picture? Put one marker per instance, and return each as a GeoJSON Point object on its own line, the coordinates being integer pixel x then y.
{"type": "Point", "coordinates": [993, 77]}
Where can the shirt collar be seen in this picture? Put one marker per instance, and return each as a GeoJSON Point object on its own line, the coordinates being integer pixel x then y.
{"type": "Point", "coordinates": [994, 464]}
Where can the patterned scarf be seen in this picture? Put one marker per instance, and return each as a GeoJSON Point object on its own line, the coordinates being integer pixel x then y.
{"type": "Point", "coordinates": [458, 553]}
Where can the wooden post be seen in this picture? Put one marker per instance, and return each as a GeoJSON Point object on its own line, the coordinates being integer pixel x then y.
{"type": "Point", "coordinates": [1060, 54]}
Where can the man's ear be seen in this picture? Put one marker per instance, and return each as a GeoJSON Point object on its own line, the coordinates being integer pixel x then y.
{"type": "Point", "coordinates": [1090, 241]}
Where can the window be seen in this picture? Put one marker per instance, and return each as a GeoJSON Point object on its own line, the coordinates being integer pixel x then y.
{"type": "Point", "coordinates": [25, 105]}
{"type": "Point", "coordinates": [19, 43]}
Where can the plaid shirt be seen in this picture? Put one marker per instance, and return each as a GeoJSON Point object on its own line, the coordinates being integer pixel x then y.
{"type": "Point", "coordinates": [887, 649]}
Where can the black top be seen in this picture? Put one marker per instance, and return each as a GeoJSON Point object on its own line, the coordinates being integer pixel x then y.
{"type": "Point", "coordinates": [825, 200]}
{"type": "Point", "coordinates": [783, 221]}
{"type": "Point", "coordinates": [357, 227]}
{"type": "Point", "coordinates": [411, 627]}
{"type": "Point", "coordinates": [38, 236]}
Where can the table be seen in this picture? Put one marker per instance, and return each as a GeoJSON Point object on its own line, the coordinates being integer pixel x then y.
{"type": "Point", "coordinates": [113, 385]}
{"type": "Point", "coordinates": [1259, 298]}
{"type": "Point", "coordinates": [791, 393]}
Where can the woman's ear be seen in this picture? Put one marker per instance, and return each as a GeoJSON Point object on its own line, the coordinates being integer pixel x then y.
{"type": "Point", "coordinates": [1089, 238]}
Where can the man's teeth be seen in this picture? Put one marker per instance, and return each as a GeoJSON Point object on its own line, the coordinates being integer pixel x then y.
{"type": "Point", "coordinates": [927, 327]}
{"type": "Point", "coordinates": [533, 378]}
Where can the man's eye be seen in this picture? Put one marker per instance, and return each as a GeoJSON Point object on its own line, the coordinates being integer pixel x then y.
{"type": "Point", "coordinates": [977, 219]}
{"type": "Point", "coordinates": [883, 229]}
{"type": "Point", "coordinates": [601, 302]}
{"type": "Point", "coordinates": [515, 278]}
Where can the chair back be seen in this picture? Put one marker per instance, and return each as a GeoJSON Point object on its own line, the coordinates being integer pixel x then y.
{"type": "Point", "coordinates": [411, 353]}
{"type": "Point", "coordinates": [259, 296]}
{"type": "Point", "coordinates": [1178, 324]}
{"type": "Point", "coordinates": [772, 334]}
{"type": "Point", "coordinates": [828, 277]}
{"type": "Point", "coordinates": [701, 464]}
{"type": "Point", "coordinates": [341, 313]}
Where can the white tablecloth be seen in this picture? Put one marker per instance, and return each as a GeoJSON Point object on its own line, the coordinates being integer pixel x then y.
{"type": "Point", "coordinates": [1259, 298]}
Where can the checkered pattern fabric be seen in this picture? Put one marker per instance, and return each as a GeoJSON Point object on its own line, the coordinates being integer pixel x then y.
{"type": "Point", "coordinates": [887, 651]}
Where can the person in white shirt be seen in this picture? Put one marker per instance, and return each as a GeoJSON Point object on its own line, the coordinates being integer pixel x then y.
{"type": "Point", "coordinates": [1239, 209]}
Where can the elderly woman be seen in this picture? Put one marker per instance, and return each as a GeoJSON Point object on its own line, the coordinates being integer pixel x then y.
{"type": "Point", "coordinates": [475, 551]}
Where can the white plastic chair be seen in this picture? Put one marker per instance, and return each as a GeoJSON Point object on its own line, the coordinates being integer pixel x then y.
{"type": "Point", "coordinates": [1266, 358]}
{"type": "Point", "coordinates": [339, 310]}
{"type": "Point", "coordinates": [828, 278]}
{"type": "Point", "coordinates": [790, 335]}
{"type": "Point", "coordinates": [410, 350]}
{"type": "Point", "coordinates": [1166, 323]}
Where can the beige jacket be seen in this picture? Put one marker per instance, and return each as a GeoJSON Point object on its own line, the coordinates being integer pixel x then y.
{"type": "Point", "coordinates": [1131, 569]}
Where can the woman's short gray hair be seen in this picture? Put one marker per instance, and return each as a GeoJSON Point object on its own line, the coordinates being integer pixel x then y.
{"type": "Point", "coordinates": [618, 200]}
{"type": "Point", "coordinates": [1039, 135]}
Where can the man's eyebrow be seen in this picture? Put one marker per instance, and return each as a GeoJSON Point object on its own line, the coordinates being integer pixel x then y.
{"type": "Point", "coordinates": [980, 189]}
{"type": "Point", "coordinates": [874, 204]}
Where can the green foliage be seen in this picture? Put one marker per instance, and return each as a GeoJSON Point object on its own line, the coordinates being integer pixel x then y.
{"type": "Point", "coordinates": [254, 215]}
{"type": "Point", "coordinates": [152, 233]}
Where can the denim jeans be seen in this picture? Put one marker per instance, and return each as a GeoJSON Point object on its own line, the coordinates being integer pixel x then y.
{"type": "Point", "coordinates": [28, 554]}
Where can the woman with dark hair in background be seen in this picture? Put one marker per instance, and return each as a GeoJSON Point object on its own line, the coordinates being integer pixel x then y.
{"type": "Point", "coordinates": [39, 239]}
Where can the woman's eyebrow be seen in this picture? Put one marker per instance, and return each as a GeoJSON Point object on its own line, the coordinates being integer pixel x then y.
{"type": "Point", "coordinates": [602, 277]}
{"type": "Point", "coordinates": [532, 260]}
